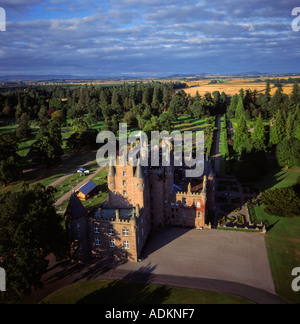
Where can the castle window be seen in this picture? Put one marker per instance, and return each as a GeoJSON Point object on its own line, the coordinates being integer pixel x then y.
{"type": "Point", "coordinates": [199, 214]}
{"type": "Point", "coordinates": [124, 193]}
{"type": "Point", "coordinates": [111, 243]}
{"type": "Point", "coordinates": [138, 185]}
{"type": "Point", "coordinates": [96, 230]}
{"type": "Point", "coordinates": [126, 245]}
{"type": "Point", "coordinates": [124, 174]}
{"type": "Point", "coordinates": [125, 232]}
{"type": "Point", "coordinates": [198, 204]}
{"type": "Point", "coordinates": [124, 183]}
{"type": "Point", "coordinates": [97, 241]}
{"type": "Point", "coordinates": [111, 231]}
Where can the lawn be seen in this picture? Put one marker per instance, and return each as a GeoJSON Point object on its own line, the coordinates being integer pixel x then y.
{"type": "Point", "coordinates": [283, 236]}
{"type": "Point", "coordinates": [186, 123]}
{"type": "Point", "coordinates": [46, 176]}
{"type": "Point", "coordinates": [100, 180]}
{"type": "Point", "coordinates": [24, 145]}
{"type": "Point", "coordinates": [277, 177]}
{"type": "Point", "coordinates": [121, 292]}
{"type": "Point", "coordinates": [283, 245]}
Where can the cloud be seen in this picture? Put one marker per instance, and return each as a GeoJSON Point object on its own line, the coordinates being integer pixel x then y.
{"type": "Point", "coordinates": [111, 37]}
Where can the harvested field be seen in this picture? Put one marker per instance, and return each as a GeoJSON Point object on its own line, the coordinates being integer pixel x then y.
{"type": "Point", "coordinates": [231, 87]}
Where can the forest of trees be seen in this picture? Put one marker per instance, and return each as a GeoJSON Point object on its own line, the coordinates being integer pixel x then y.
{"type": "Point", "coordinates": [280, 137]}
{"type": "Point", "coordinates": [146, 106]}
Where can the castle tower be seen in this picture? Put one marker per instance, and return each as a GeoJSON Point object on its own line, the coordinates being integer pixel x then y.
{"type": "Point", "coordinates": [76, 219]}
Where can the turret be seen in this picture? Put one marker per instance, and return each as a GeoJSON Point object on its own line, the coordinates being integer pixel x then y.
{"type": "Point", "coordinates": [139, 171]}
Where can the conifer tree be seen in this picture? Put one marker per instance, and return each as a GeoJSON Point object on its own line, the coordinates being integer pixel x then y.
{"type": "Point", "coordinates": [296, 126]}
{"type": "Point", "coordinates": [23, 130]}
{"type": "Point", "coordinates": [241, 135]}
{"type": "Point", "coordinates": [240, 110]}
{"type": "Point", "coordinates": [295, 97]}
{"type": "Point", "coordinates": [259, 136]}
{"type": "Point", "coordinates": [277, 132]}
{"type": "Point", "coordinates": [232, 107]}
{"type": "Point", "coordinates": [290, 125]}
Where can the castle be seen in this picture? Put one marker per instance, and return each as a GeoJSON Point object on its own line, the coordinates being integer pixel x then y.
{"type": "Point", "coordinates": [141, 199]}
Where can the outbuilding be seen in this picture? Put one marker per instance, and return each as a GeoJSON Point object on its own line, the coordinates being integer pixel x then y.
{"type": "Point", "coordinates": [86, 191]}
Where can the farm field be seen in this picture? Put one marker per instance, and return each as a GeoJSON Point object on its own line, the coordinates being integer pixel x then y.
{"type": "Point", "coordinates": [231, 87]}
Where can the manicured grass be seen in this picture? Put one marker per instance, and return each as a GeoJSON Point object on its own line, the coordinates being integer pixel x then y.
{"type": "Point", "coordinates": [283, 237]}
{"type": "Point", "coordinates": [46, 176]}
{"type": "Point", "coordinates": [121, 292]}
{"type": "Point", "coordinates": [283, 245]}
{"type": "Point", "coordinates": [100, 180]}
{"type": "Point", "coordinates": [185, 123]}
{"type": "Point", "coordinates": [277, 177]}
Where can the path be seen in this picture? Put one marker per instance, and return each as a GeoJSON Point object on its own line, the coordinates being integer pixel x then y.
{"type": "Point", "coordinates": [61, 200]}
{"type": "Point", "coordinates": [58, 181]}
{"type": "Point", "coordinates": [218, 143]}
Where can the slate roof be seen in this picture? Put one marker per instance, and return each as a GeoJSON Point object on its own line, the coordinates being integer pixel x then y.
{"type": "Point", "coordinates": [76, 208]}
{"type": "Point", "coordinates": [87, 188]}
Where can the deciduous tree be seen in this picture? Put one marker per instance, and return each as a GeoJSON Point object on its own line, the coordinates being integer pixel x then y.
{"type": "Point", "coordinates": [30, 230]}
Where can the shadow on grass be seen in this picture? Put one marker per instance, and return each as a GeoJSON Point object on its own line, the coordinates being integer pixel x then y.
{"type": "Point", "coordinates": [134, 288]}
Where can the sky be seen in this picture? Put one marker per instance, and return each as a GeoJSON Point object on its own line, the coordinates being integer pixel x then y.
{"type": "Point", "coordinates": [141, 38]}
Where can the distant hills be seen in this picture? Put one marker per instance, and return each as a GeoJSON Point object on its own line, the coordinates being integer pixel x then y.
{"type": "Point", "coordinates": [36, 78]}
{"type": "Point", "coordinates": [40, 77]}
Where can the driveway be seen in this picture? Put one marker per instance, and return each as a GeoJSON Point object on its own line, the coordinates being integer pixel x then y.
{"type": "Point", "coordinates": [211, 254]}
{"type": "Point", "coordinates": [221, 261]}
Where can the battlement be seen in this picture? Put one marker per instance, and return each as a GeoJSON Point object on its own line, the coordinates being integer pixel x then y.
{"type": "Point", "coordinates": [116, 220]}
{"type": "Point", "coordinates": [126, 215]}
{"type": "Point", "coordinates": [199, 193]}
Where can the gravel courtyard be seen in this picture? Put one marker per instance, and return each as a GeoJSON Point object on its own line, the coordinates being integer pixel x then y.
{"type": "Point", "coordinates": [223, 255]}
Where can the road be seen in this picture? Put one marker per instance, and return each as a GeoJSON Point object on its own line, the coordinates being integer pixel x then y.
{"type": "Point", "coordinates": [58, 181]}
{"type": "Point", "coordinates": [68, 195]}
